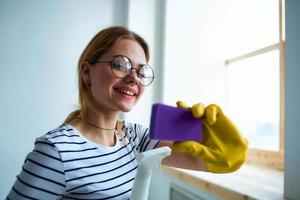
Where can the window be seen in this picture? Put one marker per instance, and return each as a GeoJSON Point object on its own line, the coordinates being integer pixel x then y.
{"type": "Point", "coordinates": [254, 68]}
{"type": "Point", "coordinates": [247, 34]}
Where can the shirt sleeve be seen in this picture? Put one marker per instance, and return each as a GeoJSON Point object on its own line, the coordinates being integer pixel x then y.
{"type": "Point", "coordinates": [42, 175]}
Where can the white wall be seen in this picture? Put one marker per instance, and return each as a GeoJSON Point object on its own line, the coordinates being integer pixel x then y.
{"type": "Point", "coordinates": [292, 99]}
{"type": "Point", "coordinates": [40, 45]}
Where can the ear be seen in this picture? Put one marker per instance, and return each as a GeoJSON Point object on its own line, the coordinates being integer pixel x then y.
{"type": "Point", "coordinates": [85, 72]}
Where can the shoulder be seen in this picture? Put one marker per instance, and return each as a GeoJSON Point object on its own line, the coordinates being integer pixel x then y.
{"type": "Point", "coordinates": [66, 141]}
{"type": "Point", "coordinates": [42, 173]}
{"type": "Point", "coordinates": [62, 138]}
{"type": "Point", "coordinates": [61, 134]}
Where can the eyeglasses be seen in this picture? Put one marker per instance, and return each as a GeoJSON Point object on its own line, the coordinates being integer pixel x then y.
{"type": "Point", "coordinates": [121, 66]}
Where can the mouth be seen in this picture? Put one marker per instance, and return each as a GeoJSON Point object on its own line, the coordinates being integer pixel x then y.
{"type": "Point", "coordinates": [126, 91]}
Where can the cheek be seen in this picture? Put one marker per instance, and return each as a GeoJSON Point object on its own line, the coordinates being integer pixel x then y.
{"type": "Point", "coordinates": [141, 91]}
{"type": "Point", "coordinates": [103, 78]}
{"type": "Point", "coordinates": [102, 83]}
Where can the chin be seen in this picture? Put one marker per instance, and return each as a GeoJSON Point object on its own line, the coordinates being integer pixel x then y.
{"type": "Point", "coordinates": [126, 111]}
{"type": "Point", "coordinates": [126, 108]}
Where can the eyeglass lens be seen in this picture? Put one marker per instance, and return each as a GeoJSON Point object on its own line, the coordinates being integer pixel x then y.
{"type": "Point", "coordinates": [121, 66]}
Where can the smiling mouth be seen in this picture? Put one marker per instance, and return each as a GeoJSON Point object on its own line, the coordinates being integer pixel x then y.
{"type": "Point", "coordinates": [125, 92]}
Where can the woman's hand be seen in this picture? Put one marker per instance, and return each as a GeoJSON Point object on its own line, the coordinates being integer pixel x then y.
{"type": "Point", "coordinates": [223, 148]}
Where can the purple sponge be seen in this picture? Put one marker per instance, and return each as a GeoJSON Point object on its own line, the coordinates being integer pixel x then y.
{"type": "Point", "coordinates": [174, 124]}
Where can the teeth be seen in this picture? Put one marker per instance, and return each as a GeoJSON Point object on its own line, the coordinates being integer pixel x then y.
{"type": "Point", "coordinates": [126, 92]}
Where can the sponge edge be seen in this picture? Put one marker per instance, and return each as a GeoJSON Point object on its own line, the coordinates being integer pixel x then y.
{"type": "Point", "coordinates": [148, 161]}
{"type": "Point", "coordinates": [174, 124]}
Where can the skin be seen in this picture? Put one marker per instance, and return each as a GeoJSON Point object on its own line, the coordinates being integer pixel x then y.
{"type": "Point", "coordinates": [113, 95]}
{"type": "Point", "coordinates": [110, 92]}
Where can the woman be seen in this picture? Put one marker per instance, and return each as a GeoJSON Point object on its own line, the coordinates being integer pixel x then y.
{"type": "Point", "coordinates": [92, 155]}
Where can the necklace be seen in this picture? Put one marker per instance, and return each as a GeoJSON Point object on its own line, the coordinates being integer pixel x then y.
{"type": "Point", "coordinates": [117, 131]}
{"type": "Point", "coordinates": [99, 127]}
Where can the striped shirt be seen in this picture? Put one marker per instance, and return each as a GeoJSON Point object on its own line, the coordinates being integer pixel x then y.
{"type": "Point", "coordinates": [66, 165]}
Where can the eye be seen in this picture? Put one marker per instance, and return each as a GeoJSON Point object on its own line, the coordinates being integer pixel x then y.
{"type": "Point", "coordinates": [145, 72]}
{"type": "Point", "coordinates": [141, 75]}
{"type": "Point", "coordinates": [119, 66]}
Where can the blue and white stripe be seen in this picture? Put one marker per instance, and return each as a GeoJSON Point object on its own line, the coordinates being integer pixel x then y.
{"type": "Point", "coordinates": [65, 165]}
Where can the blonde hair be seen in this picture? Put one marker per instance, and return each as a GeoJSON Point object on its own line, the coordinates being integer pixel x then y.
{"type": "Point", "coordinates": [99, 45]}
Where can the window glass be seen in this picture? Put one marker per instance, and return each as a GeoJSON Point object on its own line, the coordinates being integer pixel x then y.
{"type": "Point", "coordinates": [253, 98]}
{"type": "Point", "coordinates": [251, 24]}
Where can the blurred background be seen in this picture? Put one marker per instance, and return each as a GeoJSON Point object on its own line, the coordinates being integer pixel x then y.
{"type": "Point", "coordinates": [227, 52]}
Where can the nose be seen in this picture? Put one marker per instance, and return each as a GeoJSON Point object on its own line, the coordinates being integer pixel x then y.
{"type": "Point", "coordinates": [132, 77]}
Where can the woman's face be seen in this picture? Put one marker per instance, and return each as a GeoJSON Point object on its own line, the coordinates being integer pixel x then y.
{"type": "Point", "coordinates": [117, 94]}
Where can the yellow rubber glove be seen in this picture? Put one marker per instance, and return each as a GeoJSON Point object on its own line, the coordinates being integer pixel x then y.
{"type": "Point", "coordinates": [223, 148]}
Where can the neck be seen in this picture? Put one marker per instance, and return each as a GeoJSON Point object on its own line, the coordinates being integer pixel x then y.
{"type": "Point", "coordinates": [102, 121]}
{"type": "Point", "coordinates": [97, 119]}
{"type": "Point", "coordinates": [99, 127]}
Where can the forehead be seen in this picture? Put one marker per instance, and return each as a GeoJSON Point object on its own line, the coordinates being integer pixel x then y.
{"type": "Point", "coordinates": [127, 47]}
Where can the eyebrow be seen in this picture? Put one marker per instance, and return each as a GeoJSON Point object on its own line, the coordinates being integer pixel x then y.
{"type": "Point", "coordinates": [140, 64]}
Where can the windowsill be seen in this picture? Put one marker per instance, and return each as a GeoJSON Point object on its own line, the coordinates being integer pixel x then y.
{"type": "Point", "coordinates": [249, 182]}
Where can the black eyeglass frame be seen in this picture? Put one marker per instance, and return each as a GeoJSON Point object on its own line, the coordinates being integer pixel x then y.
{"type": "Point", "coordinates": [130, 70]}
